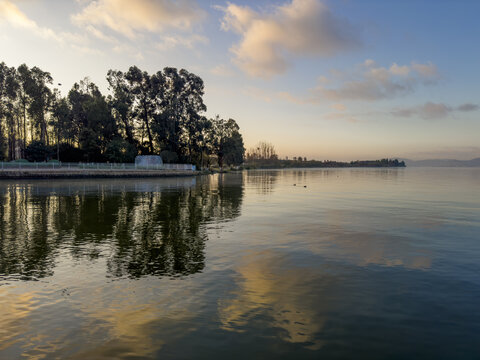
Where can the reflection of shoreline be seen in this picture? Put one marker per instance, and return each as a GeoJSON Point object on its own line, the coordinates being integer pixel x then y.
{"type": "Point", "coordinates": [149, 227]}
{"type": "Point", "coordinates": [90, 186]}
{"type": "Point", "coordinates": [90, 173]}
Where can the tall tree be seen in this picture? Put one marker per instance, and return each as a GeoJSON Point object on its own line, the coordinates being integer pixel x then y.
{"type": "Point", "coordinates": [227, 142]}
{"type": "Point", "coordinates": [122, 102]}
{"type": "Point", "coordinates": [191, 97]}
{"type": "Point", "coordinates": [10, 114]}
{"type": "Point", "coordinates": [61, 121]}
{"type": "Point", "coordinates": [24, 81]}
{"type": "Point", "coordinates": [143, 90]}
{"type": "Point", "coordinates": [40, 97]}
{"type": "Point", "coordinates": [93, 121]}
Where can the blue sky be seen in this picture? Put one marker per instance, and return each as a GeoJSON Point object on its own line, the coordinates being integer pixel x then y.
{"type": "Point", "coordinates": [331, 79]}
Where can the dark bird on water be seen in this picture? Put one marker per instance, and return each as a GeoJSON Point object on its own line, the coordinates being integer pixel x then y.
{"type": "Point", "coordinates": [304, 185]}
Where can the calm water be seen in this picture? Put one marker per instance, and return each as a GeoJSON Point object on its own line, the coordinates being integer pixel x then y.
{"type": "Point", "coordinates": [360, 263]}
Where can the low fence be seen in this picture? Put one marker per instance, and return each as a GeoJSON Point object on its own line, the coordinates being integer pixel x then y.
{"type": "Point", "coordinates": [91, 166]}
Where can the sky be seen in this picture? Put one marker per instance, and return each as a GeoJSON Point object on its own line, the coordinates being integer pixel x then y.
{"type": "Point", "coordinates": [322, 79]}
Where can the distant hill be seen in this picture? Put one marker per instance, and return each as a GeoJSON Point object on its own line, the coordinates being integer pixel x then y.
{"type": "Point", "coordinates": [443, 163]}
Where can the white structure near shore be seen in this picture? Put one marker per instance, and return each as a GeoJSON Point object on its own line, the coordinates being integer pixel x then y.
{"type": "Point", "coordinates": [148, 160]}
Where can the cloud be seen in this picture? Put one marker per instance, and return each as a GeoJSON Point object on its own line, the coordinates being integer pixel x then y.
{"type": "Point", "coordinates": [170, 42]}
{"type": "Point", "coordinates": [468, 107]}
{"type": "Point", "coordinates": [431, 110]}
{"type": "Point", "coordinates": [338, 107]}
{"type": "Point", "coordinates": [369, 82]}
{"type": "Point", "coordinates": [129, 17]}
{"type": "Point", "coordinates": [11, 14]}
{"type": "Point", "coordinates": [299, 28]}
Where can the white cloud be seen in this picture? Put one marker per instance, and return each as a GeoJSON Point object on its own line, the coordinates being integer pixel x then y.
{"type": "Point", "coordinates": [269, 40]}
{"type": "Point", "coordinates": [129, 17]}
{"type": "Point", "coordinates": [399, 70]}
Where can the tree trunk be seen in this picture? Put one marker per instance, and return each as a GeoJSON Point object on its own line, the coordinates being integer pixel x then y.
{"type": "Point", "coordinates": [149, 133]}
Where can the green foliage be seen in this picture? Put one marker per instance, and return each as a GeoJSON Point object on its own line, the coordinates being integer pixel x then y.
{"type": "Point", "coordinates": [226, 141]}
{"type": "Point", "coordinates": [70, 153]}
{"type": "Point", "coordinates": [37, 151]}
{"type": "Point", "coordinates": [169, 156]}
{"type": "Point", "coordinates": [120, 151]}
{"type": "Point", "coordinates": [144, 114]}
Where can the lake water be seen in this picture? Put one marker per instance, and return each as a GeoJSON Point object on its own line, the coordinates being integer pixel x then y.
{"type": "Point", "coordinates": [359, 264]}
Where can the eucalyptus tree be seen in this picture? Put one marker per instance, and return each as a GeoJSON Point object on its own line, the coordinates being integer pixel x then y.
{"type": "Point", "coordinates": [93, 123]}
{"type": "Point", "coordinates": [40, 95]}
{"type": "Point", "coordinates": [191, 96]}
{"type": "Point", "coordinates": [122, 103]}
{"type": "Point", "coordinates": [143, 90]}
{"type": "Point", "coordinates": [3, 72]}
{"type": "Point", "coordinates": [8, 110]}
{"type": "Point", "coordinates": [171, 108]}
{"type": "Point", "coordinates": [62, 123]}
{"type": "Point", "coordinates": [227, 142]}
{"type": "Point", "coordinates": [24, 80]}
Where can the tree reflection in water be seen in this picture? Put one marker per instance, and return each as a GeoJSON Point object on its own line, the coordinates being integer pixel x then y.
{"type": "Point", "coordinates": [147, 227]}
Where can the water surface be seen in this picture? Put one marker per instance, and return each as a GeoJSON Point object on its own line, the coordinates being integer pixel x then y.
{"type": "Point", "coordinates": [348, 263]}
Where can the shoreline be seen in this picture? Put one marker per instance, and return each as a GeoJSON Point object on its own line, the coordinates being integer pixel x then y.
{"type": "Point", "coordinates": [15, 174]}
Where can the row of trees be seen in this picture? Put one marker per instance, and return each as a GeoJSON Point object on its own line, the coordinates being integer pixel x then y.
{"type": "Point", "coordinates": [160, 113]}
{"type": "Point", "coordinates": [263, 152]}
{"type": "Point", "coordinates": [263, 155]}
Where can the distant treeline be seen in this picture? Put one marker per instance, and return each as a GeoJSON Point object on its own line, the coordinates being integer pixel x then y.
{"type": "Point", "coordinates": [160, 113]}
{"type": "Point", "coordinates": [323, 164]}
{"type": "Point", "coordinates": [264, 156]}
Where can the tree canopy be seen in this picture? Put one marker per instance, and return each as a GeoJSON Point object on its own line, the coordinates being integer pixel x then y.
{"type": "Point", "coordinates": [159, 113]}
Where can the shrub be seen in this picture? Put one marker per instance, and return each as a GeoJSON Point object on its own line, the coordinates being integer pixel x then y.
{"type": "Point", "coordinates": [120, 151]}
{"type": "Point", "coordinates": [169, 157]}
{"type": "Point", "coordinates": [38, 151]}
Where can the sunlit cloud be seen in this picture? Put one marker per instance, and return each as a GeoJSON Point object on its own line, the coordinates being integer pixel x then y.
{"type": "Point", "coordinates": [265, 285]}
{"type": "Point", "coordinates": [12, 15]}
{"type": "Point", "coordinates": [299, 28]}
{"type": "Point", "coordinates": [130, 18]}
